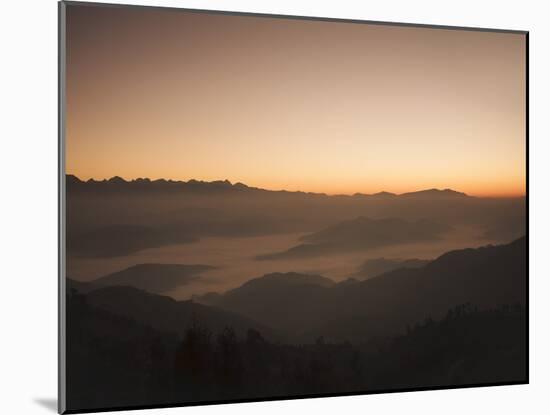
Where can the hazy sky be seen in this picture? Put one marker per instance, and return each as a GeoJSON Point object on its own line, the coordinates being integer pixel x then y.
{"type": "Point", "coordinates": [300, 105]}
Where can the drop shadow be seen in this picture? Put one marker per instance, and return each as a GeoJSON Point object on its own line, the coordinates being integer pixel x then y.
{"type": "Point", "coordinates": [48, 403]}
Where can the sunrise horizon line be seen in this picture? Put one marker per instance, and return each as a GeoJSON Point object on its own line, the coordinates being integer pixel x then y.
{"type": "Point", "coordinates": [271, 189]}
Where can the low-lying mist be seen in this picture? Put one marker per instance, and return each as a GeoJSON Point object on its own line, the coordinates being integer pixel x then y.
{"type": "Point", "coordinates": [234, 233]}
{"type": "Point", "coordinates": [235, 263]}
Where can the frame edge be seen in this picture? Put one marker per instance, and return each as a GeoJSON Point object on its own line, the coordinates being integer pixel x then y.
{"type": "Point", "coordinates": [61, 103]}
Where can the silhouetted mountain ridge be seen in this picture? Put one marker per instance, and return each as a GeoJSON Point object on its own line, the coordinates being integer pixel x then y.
{"type": "Point", "coordinates": [384, 305]}
{"type": "Point", "coordinates": [434, 193]}
{"type": "Point", "coordinates": [361, 233]}
{"type": "Point", "coordinates": [115, 361]}
{"type": "Point", "coordinates": [287, 279]}
{"type": "Point", "coordinates": [155, 278]}
{"type": "Point", "coordinates": [273, 298]}
{"type": "Point", "coordinates": [145, 184]}
{"type": "Point", "coordinates": [377, 266]}
{"type": "Point", "coordinates": [165, 314]}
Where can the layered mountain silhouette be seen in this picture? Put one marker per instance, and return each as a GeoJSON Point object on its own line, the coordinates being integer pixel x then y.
{"type": "Point", "coordinates": [396, 323]}
{"type": "Point", "coordinates": [165, 314]}
{"type": "Point", "coordinates": [116, 217]}
{"type": "Point", "coordinates": [109, 356]}
{"type": "Point", "coordinates": [361, 234]}
{"type": "Point", "coordinates": [278, 300]}
{"type": "Point", "coordinates": [457, 320]}
{"type": "Point", "coordinates": [118, 184]}
{"type": "Point", "coordinates": [116, 361]}
{"type": "Point", "coordinates": [381, 306]}
{"type": "Point", "coordinates": [377, 266]}
{"type": "Point", "coordinates": [430, 193]}
{"type": "Point", "coordinates": [154, 278]}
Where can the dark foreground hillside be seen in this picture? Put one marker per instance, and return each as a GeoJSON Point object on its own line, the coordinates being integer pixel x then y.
{"type": "Point", "coordinates": [382, 306]}
{"type": "Point", "coordinates": [459, 320]}
{"type": "Point", "coordinates": [114, 361]}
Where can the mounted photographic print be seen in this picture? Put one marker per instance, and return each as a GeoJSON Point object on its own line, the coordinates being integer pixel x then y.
{"type": "Point", "coordinates": [258, 207]}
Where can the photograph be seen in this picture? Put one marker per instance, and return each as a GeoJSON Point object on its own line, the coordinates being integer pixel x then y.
{"type": "Point", "coordinates": [259, 207]}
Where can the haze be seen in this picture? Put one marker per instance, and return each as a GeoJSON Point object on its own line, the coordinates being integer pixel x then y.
{"type": "Point", "coordinates": [394, 258]}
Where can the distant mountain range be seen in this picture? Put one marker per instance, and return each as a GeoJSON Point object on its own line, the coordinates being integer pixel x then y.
{"type": "Point", "coordinates": [434, 192]}
{"type": "Point", "coordinates": [116, 183]}
{"type": "Point", "coordinates": [377, 266]}
{"type": "Point", "coordinates": [144, 184]}
{"type": "Point", "coordinates": [361, 234]}
{"type": "Point", "coordinates": [115, 217]}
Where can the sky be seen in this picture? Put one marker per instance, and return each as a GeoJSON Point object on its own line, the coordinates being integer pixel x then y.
{"type": "Point", "coordinates": [293, 104]}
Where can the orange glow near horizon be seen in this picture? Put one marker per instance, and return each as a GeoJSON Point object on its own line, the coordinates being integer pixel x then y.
{"type": "Point", "coordinates": [297, 105]}
{"type": "Point", "coordinates": [492, 192]}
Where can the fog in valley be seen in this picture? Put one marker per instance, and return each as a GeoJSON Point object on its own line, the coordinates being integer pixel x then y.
{"type": "Point", "coordinates": [194, 291]}
{"type": "Point", "coordinates": [234, 259]}
{"type": "Point", "coordinates": [260, 207]}
{"type": "Point", "coordinates": [243, 233]}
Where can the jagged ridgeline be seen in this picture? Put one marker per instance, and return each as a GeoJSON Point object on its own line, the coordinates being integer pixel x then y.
{"type": "Point", "coordinates": [264, 207]}
{"type": "Point", "coordinates": [113, 218]}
